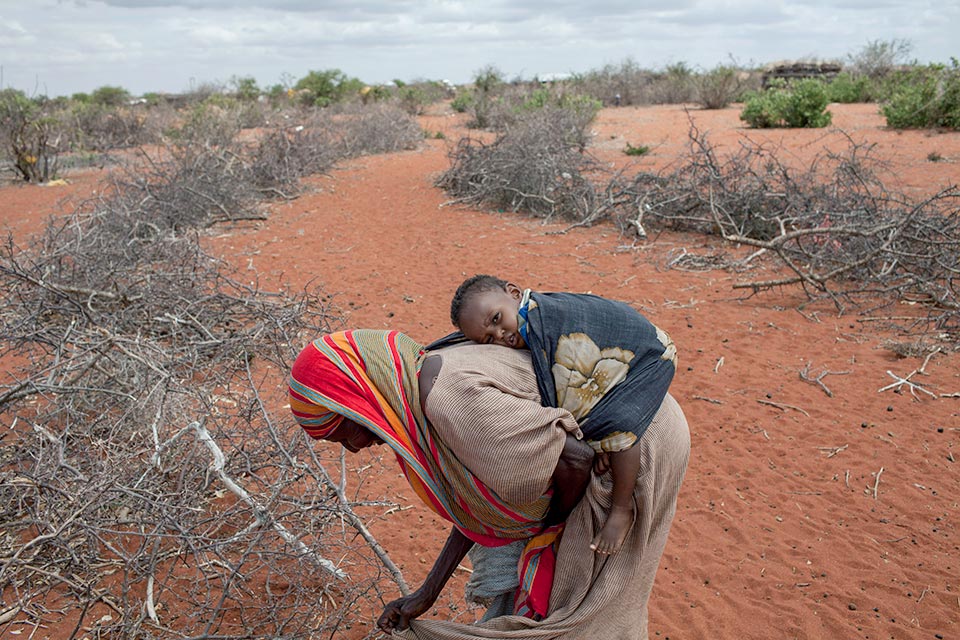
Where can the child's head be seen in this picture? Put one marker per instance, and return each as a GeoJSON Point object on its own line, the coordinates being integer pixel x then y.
{"type": "Point", "coordinates": [485, 309]}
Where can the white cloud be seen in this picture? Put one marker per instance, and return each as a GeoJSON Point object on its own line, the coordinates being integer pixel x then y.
{"type": "Point", "coordinates": [147, 45]}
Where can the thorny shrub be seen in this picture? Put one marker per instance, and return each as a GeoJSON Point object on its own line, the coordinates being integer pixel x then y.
{"type": "Point", "coordinates": [718, 87]}
{"type": "Point", "coordinates": [137, 409]}
{"type": "Point", "coordinates": [537, 165]}
{"type": "Point", "coordinates": [840, 232]}
{"type": "Point", "coordinates": [32, 137]}
{"type": "Point", "coordinates": [101, 128]}
{"type": "Point", "coordinates": [147, 485]}
{"type": "Point", "coordinates": [834, 225]}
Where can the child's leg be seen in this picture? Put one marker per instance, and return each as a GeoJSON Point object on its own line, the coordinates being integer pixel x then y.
{"type": "Point", "coordinates": [625, 465]}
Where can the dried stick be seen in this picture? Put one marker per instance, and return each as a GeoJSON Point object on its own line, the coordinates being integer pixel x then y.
{"type": "Point", "coordinates": [340, 490]}
{"type": "Point", "coordinates": [833, 450]}
{"type": "Point", "coordinates": [914, 387]}
{"type": "Point", "coordinates": [262, 516]}
{"type": "Point", "coordinates": [9, 614]}
{"type": "Point", "coordinates": [783, 406]}
{"type": "Point", "coordinates": [805, 376]}
{"type": "Point", "coordinates": [876, 483]}
{"type": "Point", "coordinates": [926, 360]}
{"type": "Point", "coordinates": [357, 524]}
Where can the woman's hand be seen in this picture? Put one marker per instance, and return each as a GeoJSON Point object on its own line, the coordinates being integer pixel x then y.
{"type": "Point", "coordinates": [399, 613]}
{"type": "Point", "coordinates": [570, 479]}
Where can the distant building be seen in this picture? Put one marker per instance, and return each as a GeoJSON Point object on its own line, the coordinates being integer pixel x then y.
{"type": "Point", "coordinates": [800, 69]}
{"type": "Point", "coordinates": [553, 77]}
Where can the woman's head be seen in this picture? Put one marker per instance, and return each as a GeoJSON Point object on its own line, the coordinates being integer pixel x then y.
{"type": "Point", "coordinates": [485, 309]}
{"type": "Point", "coordinates": [356, 388]}
{"type": "Point", "coordinates": [353, 436]}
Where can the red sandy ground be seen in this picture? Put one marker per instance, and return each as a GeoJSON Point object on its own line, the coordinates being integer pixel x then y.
{"type": "Point", "coordinates": [802, 515]}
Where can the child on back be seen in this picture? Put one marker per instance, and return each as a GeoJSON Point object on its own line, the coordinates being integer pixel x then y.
{"type": "Point", "coordinates": [600, 359]}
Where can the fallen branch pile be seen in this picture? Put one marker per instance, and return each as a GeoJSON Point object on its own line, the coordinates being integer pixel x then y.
{"type": "Point", "coordinates": [146, 485]}
{"type": "Point", "coordinates": [537, 166]}
{"type": "Point", "coordinates": [836, 228]}
{"type": "Point", "coordinates": [840, 232]}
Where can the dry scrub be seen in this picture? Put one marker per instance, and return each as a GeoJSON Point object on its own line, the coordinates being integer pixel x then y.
{"type": "Point", "coordinates": [836, 227]}
{"type": "Point", "coordinates": [536, 165]}
{"type": "Point", "coordinates": [148, 487]}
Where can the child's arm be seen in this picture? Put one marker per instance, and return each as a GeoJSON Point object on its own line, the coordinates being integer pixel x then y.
{"type": "Point", "coordinates": [625, 466]}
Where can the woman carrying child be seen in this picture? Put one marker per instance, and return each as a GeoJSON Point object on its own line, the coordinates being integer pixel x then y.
{"type": "Point", "coordinates": [599, 359]}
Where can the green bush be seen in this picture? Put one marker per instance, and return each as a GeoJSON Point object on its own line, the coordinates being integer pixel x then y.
{"type": "Point", "coordinates": [585, 107]}
{"type": "Point", "coordinates": [110, 96]}
{"type": "Point", "coordinates": [764, 109]}
{"type": "Point", "coordinates": [848, 88]}
{"type": "Point", "coordinates": [323, 88]}
{"type": "Point", "coordinates": [639, 150]}
{"type": "Point", "coordinates": [799, 104]}
{"type": "Point", "coordinates": [414, 97]}
{"type": "Point", "coordinates": [537, 100]}
{"type": "Point", "coordinates": [462, 102]}
{"type": "Point", "coordinates": [807, 106]}
{"type": "Point", "coordinates": [245, 88]}
{"type": "Point", "coordinates": [925, 97]}
{"type": "Point", "coordinates": [31, 136]}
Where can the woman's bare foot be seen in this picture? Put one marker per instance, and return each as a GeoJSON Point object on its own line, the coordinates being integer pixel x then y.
{"type": "Point", "coordinates": [613, 533]}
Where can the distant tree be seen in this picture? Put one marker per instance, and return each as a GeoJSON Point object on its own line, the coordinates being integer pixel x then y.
{"type": "Point", "coordinates": [877, 58]}
{"type": "Point", "coordinates": [245, 87]}
{"type": "Point", "coordinates": [29, 136]}
{"type": "Point", "coordinates": [487, 84]}
{"type": "Point", "coordinates": [82, 98]}
{"type": "Point", "coordinates": [322, 88]}
{"type": "Point", "coordinates": [110, 96]}
{"type": "Point", "coordinates": [676, 84]}
{"type": "Point", "coordinates": [718, 87]}
{"type": "Point", "coordinates": [487, 79]}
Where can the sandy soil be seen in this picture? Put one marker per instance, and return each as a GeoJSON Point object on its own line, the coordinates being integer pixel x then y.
{"type": "Point", "coordinates": [803, 514]}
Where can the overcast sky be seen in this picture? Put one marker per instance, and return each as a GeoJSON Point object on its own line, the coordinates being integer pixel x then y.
{"type": "Point", "coordinates": [59, 47]}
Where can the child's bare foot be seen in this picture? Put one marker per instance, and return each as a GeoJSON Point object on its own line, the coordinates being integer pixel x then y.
{"type": "Point", "coordinates": [614, 532]}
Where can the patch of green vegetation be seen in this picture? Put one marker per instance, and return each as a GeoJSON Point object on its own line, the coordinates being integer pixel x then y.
{"type": "Point", "coordinates": [801, 104]}
{"type": "Point", "coordinates": [924, 97]}
{"type": "Point", "coordinates": [639, 150]}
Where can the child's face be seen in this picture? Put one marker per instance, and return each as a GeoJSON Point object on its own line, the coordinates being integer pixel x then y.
{"type": "Point", "coordinates": [490, 317]}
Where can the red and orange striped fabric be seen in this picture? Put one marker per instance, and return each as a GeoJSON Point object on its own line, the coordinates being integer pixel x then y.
{"type": "Point", "coordinates": [370, 377]}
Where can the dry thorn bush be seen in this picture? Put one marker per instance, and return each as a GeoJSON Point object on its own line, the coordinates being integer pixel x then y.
{"type": "Point", "coordinates": [144, 474]}
{"type": "Point", "coordinates": [148, 487]}
{"type": "Point", "coordinates": [833, 224]}
{"type": "Point", "coordinates": [537, 165]}
{"type": "Point", "coordinates": [840, 232]}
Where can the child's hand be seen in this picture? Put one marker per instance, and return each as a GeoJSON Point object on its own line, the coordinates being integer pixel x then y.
{"type": "Point", "coordinates": [601, 463]}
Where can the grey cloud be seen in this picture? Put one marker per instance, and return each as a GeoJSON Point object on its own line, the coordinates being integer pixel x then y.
{"type": "Point", "coordinates": [161, 43]}
{"type": "Point", "coordinates": [335, 7]}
